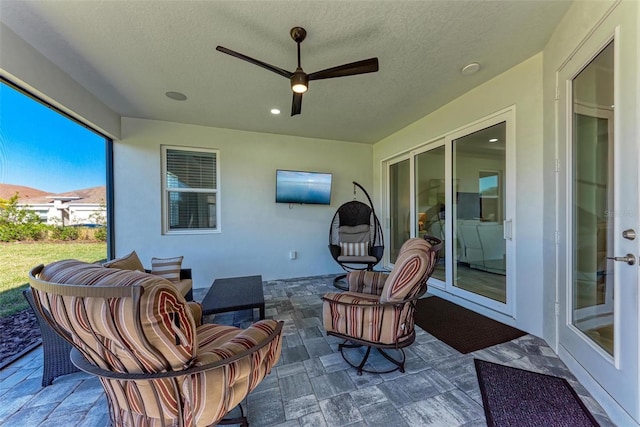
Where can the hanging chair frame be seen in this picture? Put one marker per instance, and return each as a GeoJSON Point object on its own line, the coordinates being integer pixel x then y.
{"type": "Point", "coordinates": [376, 249]}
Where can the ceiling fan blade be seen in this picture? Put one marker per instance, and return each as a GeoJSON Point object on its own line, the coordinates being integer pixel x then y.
{"type": "Point", "coordinates": [360, 67]}
{"type": "Point", "coordinates": [296, 105]}
{"type": "Point", "coordinates": [283, 73]}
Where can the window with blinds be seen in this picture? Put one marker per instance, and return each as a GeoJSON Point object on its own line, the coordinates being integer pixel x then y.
{"type": "Point", "coordinates": [190, 190]}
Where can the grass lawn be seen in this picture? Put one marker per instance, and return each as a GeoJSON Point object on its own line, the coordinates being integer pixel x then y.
{"type": "Point", "coordinates": [18, 258]}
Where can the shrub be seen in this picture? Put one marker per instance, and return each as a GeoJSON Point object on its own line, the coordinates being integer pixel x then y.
{"type": "Point", "coordinates": [64, 233]}
{"type": "Point", "coordinates": [17, 223]}
{"type": "Point", "coordinates": [100, 234]}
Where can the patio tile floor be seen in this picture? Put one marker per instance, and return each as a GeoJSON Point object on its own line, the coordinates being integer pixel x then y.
{"type": "Point", "coordinates": [311, 385]}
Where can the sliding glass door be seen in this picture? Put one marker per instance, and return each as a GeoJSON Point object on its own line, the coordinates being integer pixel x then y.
{"type": "Point", "coordinates": [459, 190]}
{"type": "Point", "coordinates": [479, 204]}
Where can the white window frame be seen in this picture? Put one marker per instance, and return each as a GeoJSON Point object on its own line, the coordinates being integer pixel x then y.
{"type": "Point", "coordinates": [166, 229]}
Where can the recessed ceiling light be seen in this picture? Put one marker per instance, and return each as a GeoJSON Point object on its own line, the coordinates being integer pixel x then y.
{"type": "Point", "coordinates": [472, 68]}
{"type": "Point", "coordinates": [176, 96]}
{"type": "Point", "coordinates": [275, 111]}
{"type": "Point", "coordinates": [493, 140]}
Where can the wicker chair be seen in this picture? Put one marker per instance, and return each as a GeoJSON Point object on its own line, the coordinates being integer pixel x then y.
{"type": "Point", "coordinates": [158, 366]}
{"type": "Point", "coordinates": [55, 349]}
{"type": "Point", "coordinates": [356, 241]}
{"type": "Point", "coordinates": [377, 310]}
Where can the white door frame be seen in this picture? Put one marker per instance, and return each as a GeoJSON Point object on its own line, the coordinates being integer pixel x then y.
{"type": "Point", "coordinates": [504, 312]}
{"type": "Point", "coordinates": [613, 380]}
{"type": "Point", "coordinates": [509, 178]}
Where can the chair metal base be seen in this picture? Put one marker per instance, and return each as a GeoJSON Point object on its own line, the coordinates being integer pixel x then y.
{"type": "Point", "coordinates": [399, 364]}
{"type": "Point", "coordinates": [339, 283]}
{"type": "Point", "coordinates": [241, 420]}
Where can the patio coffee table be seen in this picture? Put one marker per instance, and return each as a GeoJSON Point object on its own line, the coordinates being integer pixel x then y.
{"type": "Point", "coordinates": [234, 293]}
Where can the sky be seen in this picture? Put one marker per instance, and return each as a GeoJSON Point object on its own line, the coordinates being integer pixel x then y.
{"type": "Point", "coordinates": [42, 149]}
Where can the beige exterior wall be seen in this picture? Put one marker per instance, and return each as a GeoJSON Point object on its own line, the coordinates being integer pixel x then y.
{"type": "Point", "coordinates": [257, 234]}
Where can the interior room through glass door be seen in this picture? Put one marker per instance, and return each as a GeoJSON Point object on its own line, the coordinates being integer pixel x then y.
{"type": "Point", "coordinates": [479, 206]}
{"type": "Point", "coordinates": [593, 200]}
{"type": "Point", "coordinates": [430, 202]}
{"type": "Point", "coordinates": [399, 206]}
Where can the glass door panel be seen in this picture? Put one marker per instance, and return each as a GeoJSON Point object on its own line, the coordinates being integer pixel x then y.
{"type": "Point", "coordinates": [430, 200]}
{"type": "Point", "coordinates": [593, 201]}
{"type": "Point", "coordinates": [399, 207]}
{"type": "Point", "coordinates": [479, 203]}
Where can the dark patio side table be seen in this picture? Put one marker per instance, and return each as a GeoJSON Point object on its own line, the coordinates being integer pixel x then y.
{"type": "Point", "coordinates": [234, 293]}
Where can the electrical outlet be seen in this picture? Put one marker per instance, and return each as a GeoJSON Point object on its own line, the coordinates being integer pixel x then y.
{"type": "Point", "coordinates": [293, 255]}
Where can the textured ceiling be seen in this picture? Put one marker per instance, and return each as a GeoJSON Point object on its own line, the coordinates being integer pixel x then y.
{"type": "Point", "coordinates": [129, 53]}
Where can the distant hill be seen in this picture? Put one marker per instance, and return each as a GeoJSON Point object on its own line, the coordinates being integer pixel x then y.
{"type": "Point", "coordinates": [93, 195]}
{"type": "Point", "coordinates": [28, 195]}
{"type": "Point", "coordinates": [9, 190]}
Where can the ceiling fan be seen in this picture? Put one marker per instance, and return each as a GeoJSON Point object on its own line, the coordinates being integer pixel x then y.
{"type": "Point", "coordinates": [299, 79]}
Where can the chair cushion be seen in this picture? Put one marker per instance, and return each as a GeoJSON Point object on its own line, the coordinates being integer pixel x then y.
{"type": "Point", "coordinates": [228, 386]}
{"type": "Point", "coordinates": [169, 268]}
{"type": "Point", "coordinates": [127, 262]}
{"type": "Point", "coordinates": [355, 233]}
{"type": "Point", "coordinates": [410, 271]}
{"type": "Point", "coordinates": [354, 249]}
{"type": "Point", "coordinates": [366, 282]}
{"type": "Point", "coordinates": [358, 259]}
{"type": "Point", "coordinates": [166, 320]}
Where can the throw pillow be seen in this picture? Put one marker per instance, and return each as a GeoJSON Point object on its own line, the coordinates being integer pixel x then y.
{"type": "Point", "coordinates": [127, 262]}
{"type": "Point", "coordinates": [354, 249]}
{"type": "Point", "coordinates": [169, 268]}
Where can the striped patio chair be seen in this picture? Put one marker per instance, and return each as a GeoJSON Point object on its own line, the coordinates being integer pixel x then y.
{"type": "Point", "coordinates": [377, 310]}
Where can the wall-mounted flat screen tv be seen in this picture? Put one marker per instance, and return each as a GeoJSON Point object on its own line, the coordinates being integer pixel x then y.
{"type": "Point", "coordinates": [303, 187]}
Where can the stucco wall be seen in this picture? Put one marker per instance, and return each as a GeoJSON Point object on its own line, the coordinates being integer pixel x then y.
{"type": "Point", "coordinates": [257, 234]}
{"type": "Point", "coordinates": [521, 87]}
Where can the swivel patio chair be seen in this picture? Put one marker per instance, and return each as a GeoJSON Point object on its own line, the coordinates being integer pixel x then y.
{"type": "Point", "coordinates": [377, 310]}
{"type": "Point", "coordinates": [158, 366]}
{"type": "Point", "coordinates": [55, 349]}
{"type": "Point", "coordinates": [356, 241]}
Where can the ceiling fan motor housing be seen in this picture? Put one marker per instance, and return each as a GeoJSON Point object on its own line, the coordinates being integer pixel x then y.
{"type": "Point", "coordinates": [299, 81]}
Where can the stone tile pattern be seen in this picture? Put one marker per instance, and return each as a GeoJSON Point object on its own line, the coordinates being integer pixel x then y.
{"type": "Point", "coordinates": [311, 385]}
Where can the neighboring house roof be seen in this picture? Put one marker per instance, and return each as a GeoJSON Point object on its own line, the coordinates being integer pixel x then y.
{"type": "Point", "coordinates": [33, 196]}
{"type": "Point", "coordinates": [93, 195]}
{"type": "Point", "coordinates": [25, 194]}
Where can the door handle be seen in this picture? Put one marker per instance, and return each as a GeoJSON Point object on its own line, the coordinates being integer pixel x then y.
{"type": "Point", "coordinates": [629, 259]}
{"type": "Point", "coordinates": [629, 234]}
{"type": "Point", "coordinates": [507, 229]}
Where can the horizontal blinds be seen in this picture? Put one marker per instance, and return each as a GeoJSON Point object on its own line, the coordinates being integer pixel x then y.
{"type": "Point", "coordinates": [192, 210]}
{"type": "Point", "coordinates": [191, 169]}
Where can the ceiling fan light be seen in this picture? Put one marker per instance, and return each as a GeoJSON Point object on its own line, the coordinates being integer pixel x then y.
{"type": "Point", "coordinates": [299, 88]}
{"type": "Point", "coordinates": [299, 81]}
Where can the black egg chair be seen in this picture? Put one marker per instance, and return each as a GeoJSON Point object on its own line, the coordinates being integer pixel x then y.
{"type": "Point", "coordinates": [355, 236]}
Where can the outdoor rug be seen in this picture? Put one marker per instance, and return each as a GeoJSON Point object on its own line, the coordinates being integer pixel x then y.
{"type": "Point", "coordinates": [462, 329]}
{"type": "Point", "coordinates": [515, 397]}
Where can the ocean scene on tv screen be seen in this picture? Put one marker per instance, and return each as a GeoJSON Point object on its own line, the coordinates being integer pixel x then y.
{"type": "Point", "coordinates": [303, 187]}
